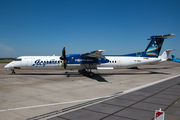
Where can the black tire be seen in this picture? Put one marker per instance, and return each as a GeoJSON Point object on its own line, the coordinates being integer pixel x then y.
{"type": "Point", "coordinates": [84, 71]}
{"type": "Point", "coordinates": [91, 74]}
{"type": "Point", "coordinates": [13, 72]}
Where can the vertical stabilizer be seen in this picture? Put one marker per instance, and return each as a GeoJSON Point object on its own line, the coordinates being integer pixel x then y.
{"type": "Point", "coordinates": [173, 57]}
{"type": "Point", "coordinates": [154, 47]}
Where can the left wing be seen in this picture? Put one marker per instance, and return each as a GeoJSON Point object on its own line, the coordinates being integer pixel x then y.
{"type": "Point", "coordinates": [95, 54]}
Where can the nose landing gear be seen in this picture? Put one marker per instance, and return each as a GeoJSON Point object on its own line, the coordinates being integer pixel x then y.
{"type": "Point", "coordinates": [13, 72]}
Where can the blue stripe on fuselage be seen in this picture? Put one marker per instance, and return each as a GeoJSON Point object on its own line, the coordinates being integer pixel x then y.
{"type": "Point", "coordinates": [138, 54]}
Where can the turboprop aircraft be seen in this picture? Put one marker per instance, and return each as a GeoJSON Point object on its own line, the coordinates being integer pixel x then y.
{"type": "Point", "coordinates": [175, 59]}
{"type": "Point", "coordinates": [94, 59]}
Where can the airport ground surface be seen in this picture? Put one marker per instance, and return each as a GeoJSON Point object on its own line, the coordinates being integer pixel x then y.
{"type": "Point", "coordinates": [29, 94]}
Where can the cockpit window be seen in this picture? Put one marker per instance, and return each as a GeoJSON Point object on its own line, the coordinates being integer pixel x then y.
{"type": "Point", "coordinates": [18, 60]}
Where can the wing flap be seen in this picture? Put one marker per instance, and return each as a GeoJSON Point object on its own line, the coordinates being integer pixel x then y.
{"type": "Point", "coordinates": [95, 54]}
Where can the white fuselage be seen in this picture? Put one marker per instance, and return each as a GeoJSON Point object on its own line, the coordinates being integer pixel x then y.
{"type": "Point", "coordinates": [94, 59]}
{"type": "Point", "coordinates": [53, 62]}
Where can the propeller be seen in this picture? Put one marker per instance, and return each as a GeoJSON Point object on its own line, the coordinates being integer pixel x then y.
{"type": "Point", "coordinates": [63, 57]}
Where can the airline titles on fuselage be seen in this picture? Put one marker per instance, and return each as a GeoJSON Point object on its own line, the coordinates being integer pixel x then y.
{"type": "Point", "coordinates": [45, 62]}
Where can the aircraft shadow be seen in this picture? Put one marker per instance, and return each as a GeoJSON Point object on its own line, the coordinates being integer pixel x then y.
{"type": "Point", "coordinates": [150, 72]}
{"type": "Point", "coordinates": [156, 68]}
{"type": "Point", "coordinates": [98, 77]}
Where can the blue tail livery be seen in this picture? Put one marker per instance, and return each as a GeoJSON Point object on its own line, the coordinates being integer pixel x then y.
{"type": "Point", "coordinates": [154, 47]}
{"type": "Point", "coordinates": [175, 59]}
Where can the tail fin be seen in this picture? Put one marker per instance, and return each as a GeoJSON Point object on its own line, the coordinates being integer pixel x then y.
{"type": "Point", "coordinates": [154, 47]}
{"type": "Point", "coordinates": [173, 57]}
{"type": "Point", "coordinates": [165, 55]}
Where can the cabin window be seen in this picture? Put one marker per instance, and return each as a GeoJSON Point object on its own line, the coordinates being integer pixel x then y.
{"type": "Point", "coordinates": [61, 61]}
{"type": "Point", "coordinates": [44, 61]}
{"type": "Point", "coordinates": [18, 60]}
{"type": "Point", "coordinates": [115, 61]}
{"type": "Point", "coordinates": [112, 61]}
{"type": "Point", "coordinates": [55, 61]}
{"type": "Point", "coordinates": [35, 61]}
{"type": "Point", "coordinates": [41, 61]}
{"type": "Point", "coordinates": [58, 61]}
{"type": "Point", "coordinates": [49, 61]}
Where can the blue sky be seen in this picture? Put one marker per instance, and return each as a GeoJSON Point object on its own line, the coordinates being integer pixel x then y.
{"type": "Point", "coordinates": [43, 27]}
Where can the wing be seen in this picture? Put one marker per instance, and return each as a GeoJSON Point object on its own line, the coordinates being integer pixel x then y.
{"type": "Point", "coordinates": [95, 54]}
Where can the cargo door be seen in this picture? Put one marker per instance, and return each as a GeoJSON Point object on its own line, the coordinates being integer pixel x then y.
{"type": "Point", "coordinates": [128, 62]}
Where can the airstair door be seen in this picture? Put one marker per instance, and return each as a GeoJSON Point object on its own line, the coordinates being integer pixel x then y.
{"type": "Point", "coordinates": [119, 62]}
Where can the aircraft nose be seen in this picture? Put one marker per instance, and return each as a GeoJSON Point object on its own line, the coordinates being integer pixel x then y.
{"type": "Point", "coordinates": [7, 66]}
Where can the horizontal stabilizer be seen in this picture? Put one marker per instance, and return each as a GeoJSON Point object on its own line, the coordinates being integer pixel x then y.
{"type": "Point", "coordinates": [162, 36]}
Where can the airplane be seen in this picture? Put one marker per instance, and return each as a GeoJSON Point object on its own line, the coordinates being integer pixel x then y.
{"type": "Point", "coordinates": [175, 59]}
{"type": "Point", "coordinates": [94, 59]}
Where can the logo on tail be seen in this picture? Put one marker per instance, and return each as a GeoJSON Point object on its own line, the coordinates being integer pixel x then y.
{"type": "Point", "coordinates": [154, 47]}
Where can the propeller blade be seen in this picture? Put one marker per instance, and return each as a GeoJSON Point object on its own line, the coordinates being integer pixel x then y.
{"type": "Point", "coordinates": [64, 53]}
{"type": "Point", "coordinates": [64, 64]}
{"type": "Point", "coordinates": [63, 57]}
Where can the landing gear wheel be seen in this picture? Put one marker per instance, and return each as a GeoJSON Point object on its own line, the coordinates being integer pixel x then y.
{"type": "Point", "coordinates": [84, 71]}
{"type": "Point", "coordinates": [13, 72]}
{"type": "Point", "coordinates": [91, 74]}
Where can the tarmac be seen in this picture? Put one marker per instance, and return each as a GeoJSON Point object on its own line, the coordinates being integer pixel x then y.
{"type": "Point", "coordinates": [137, 105]}
{"type": "Point", "coordinates": [125, 94]}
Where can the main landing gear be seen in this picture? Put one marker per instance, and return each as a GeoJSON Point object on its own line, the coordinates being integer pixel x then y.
{"type": "Point", "coordinates": [13, 72]}
{"type": "Point", "coordinates": [90, 74]}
